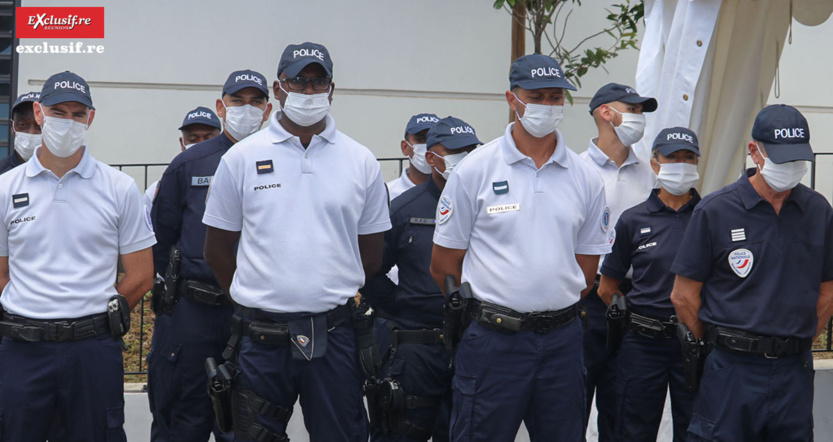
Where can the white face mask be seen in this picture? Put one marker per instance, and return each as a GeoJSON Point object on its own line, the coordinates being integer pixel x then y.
{"type": "Point", "coordinates": [540, 120]}
{"type": "Point", "coordinates": [631, 129]}
{"type": "Point", "coordinates": [451, 161]}
{"type": "Point", "coordinates": [25, 144]}
{"type": "Point", "coordinates": [242, 121]}
{"type": "Point", "coordinates": [306, 110]}
{"type": "Point", "coordinates": [783, 177]}
{"type": "Point", "coordinates": [63, 136]}
{"type": "Point", "coordinates": [677, 178]}
{"type": "Point", "coordinates": [418, 158]}
{"type": "Point", "coordinates": [186, 146]}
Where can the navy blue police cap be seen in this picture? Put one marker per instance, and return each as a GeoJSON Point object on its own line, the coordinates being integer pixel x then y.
{"type": "Point", "coordinates": [29, 97]}
{"type": "Point", "coordinates": [420, 122]}
{"type": "Point", "coordinates": [784, 133]}
{"type": "Point", "coordinates": [672, 139]}
{"type": "Point", "coordinates": [537, 71]}
{"type": "Point", "coordinates": [452, 133]}
{"type": "Point", "coordinates": [296, 57]}
{"type": "Point", "coordinates": [619, 92]}
{"type": "Point", "coordinates": [201, 115]}
{"type": "Point", "coordinates": [66, 86]}
{"type": "Point", "coordinates": [246, 78]}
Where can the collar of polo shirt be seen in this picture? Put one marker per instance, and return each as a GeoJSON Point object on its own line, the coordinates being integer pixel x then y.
{"type": "Point", "coordinates": [85, 168]}
{"type": "Point", "coordinates": [277, 134]}
{"type": "Point", "coordinates": [512, 155]}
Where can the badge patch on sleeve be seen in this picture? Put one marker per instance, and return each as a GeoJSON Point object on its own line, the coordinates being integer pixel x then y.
{"type": "Point", "coordinates": [611, 237]}
{"type": "Point", "coordinates": [147, 219]}
{"type": "Point", "coordinates": [740, 261]}
{"type": "Point", "coordinates": [606, 219]}
{"type": "Point", "coordinates": [444, 210]}
{"type": "Point", "coordinates": [500, 187]}
{"type": "Point", "coordinates": [20, 200]}
{"type": "Point", "coordinates": [265, 166]}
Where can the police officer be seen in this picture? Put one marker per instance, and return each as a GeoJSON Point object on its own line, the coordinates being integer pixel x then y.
{"type": "Point", "coordinates": [194, 323]}
{"type": "Point", "coordinates": [418, 361]}
{"type": "Point", "coordinates": [755, 280]}
{"type": "Point", "coordinates": [67, 219]}
{"type": "Point", "coordinates": [200, 124]}
{"type": "Point", "coordinates": [618, 112]}
{"type": "Point", "coordinates": [309, 208]}
{"type": "Point", "coordinates": [413, 147]}
{"type": "Point", "coordinates": [648, 236]}
{"type": "Point", "coordinates": [525, 220]}
{"type": "Point", "coordinates": [26, 132]}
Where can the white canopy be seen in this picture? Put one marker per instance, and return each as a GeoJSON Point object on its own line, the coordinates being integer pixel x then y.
{"type": "Point", "coordinates": [711, 64]}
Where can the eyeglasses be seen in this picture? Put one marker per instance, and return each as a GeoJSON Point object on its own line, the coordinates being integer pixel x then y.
{"type": "Point", "coordinates": [300, 83]}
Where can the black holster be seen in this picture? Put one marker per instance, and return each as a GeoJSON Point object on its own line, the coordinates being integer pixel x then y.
{"type": "Point", "coordinates": [694, 357]}
{"type": "Point", "coordinates": [118, 315]}
{"type": "Point", "coordinates": [157, 293]}
{"type": "Point", "coordinates": [219, 390]}
{"type": "Point", "coordinates": [361, 319]}
{"type": "Point", "coordinates": [617, 322]}
{"type": "Point", "coordinates": [456, 312]}
{"type": "Point", "coordinates": [170, 295]}
{"type": "Point", "coordinates": [394, 402]}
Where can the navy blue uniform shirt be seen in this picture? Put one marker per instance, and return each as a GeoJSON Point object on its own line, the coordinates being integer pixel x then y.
{"type": "Point", "coordinates": [179, 206]}
{"type": "Point", "coordinates": [417, 302]}
{"type": "Point", "coordinates": [761, 272]}
{"type": "Point", "coordinates": [648, 236]}
{"type": "Point", "coordinates": [9, 163]}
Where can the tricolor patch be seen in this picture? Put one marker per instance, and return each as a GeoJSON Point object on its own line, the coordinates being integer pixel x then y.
{"type": "Point", "coordinates": [741, 261]}
{"type": "Point", "coordinates": [444, 210]}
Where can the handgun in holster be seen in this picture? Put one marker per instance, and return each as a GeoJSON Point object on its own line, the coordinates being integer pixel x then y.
{"type": "Point", "coordinates": [693, 357]}
{"type": "Point", "coordinates": [219, 390]}
{"type": "Point", "coordinates": [157, 293]}
{"type": "Point", "coordinates": [170, 296]}
{"type": "Point", "coordinates": [617, 322]}
{"type": "Point", "coordinates": [456, 312]}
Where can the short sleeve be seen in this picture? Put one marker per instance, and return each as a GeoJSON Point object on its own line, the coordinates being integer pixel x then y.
{"type": "Point", "coordinates": [455, 215]}
{"type": "Point", "coordinates": [694, 256]}
{"type": "Point", "coordinates": [135, 228]}
{"type": "Point", "coordinates": [592, 236]}
{"type": "Point", "coordinates": [375, 217]}
{"type": "Point", "coordinates": [224, 205]}
{"type": "Point", "coordinates": [618, 261]}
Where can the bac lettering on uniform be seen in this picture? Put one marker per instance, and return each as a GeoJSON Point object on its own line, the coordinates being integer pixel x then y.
{"type": "Point", "coordinates": [20, 200]}
{"type": "Point", "coordinates": [200, 181]}
{"type": "Point", "coordinates": [265, 166]}
{"type": "Point", "coordinates": [422, 221]}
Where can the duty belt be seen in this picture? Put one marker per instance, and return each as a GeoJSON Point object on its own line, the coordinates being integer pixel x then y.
{"type": "Point", "coordinates": [434, 336]}
{"type": "Point", "coordinates": [202, 293]}
{"type": "Point", "coordinates": [503, 318]}
{"type": "Point", "coordinates": [744, 342]}
{"type": "Point", "coordinates": [277, 333]}
{"type": "Point", "coordinates": [25, 329]}
{"type": "Point", "coordinates": [651, 327]}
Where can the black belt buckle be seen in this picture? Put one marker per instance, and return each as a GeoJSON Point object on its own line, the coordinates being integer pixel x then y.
{"type": "Point", "coordinates": [204, 293]}
{"type": "Point", "coordinates": [58, 331]}
{"type": "Point", "coordinates": [777, 348]}
{"type": "Point", "coordinates": [540, 323]}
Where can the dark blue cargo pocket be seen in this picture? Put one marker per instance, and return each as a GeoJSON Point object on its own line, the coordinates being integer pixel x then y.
{"type": "Point", "coordinates": [115, 424]}
{"type": "Point", "coordinates": [700, 427]}
{"type": "Point", "coordinates": [462, 413]}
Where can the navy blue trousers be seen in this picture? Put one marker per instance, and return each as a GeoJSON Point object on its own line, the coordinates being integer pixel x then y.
{"type": "Point", "coordinates": [68, 391]}
{"type": "Point", "coordinates": [600, 366]}
{"type": "Point", "coordinates": [746, 397]}
{"type": "Point", "coordinates": [330, 387]}
{"type": "Point", "coordinates": [182, 340]}
{"type": "Point", "coordinates": [421, 370]}
{"type": "Point", "coordinates": [502, 379]}
{"type": "Point", "coordinates": [647, 370]}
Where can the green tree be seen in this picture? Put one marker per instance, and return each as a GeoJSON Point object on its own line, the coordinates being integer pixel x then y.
{"type": "Point", "coordinates": [547, 23]}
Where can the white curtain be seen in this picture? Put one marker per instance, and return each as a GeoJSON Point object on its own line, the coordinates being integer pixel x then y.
{"type": "Point", "coordinates": [711, 65]}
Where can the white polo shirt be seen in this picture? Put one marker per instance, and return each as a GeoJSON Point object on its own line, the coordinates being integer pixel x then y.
{"type": "Point", "coordinates": [299, 212]}
{"type": "Point", "coordinates": [150, 192]}
{"type": "Point", "coordinates": [63, 236]}
{"type": "Point", "coordinates": [625, 186]}
{"type": "Point", "coordinates": [523, 226]}
{"type": "Point", "coordinates": [399, 185]}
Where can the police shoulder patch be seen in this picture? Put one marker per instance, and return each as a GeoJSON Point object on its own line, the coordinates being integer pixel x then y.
{"type": "Point", "coordinates": [444, 209]}
{"type": "Point", "coordinates": [606, 219]}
